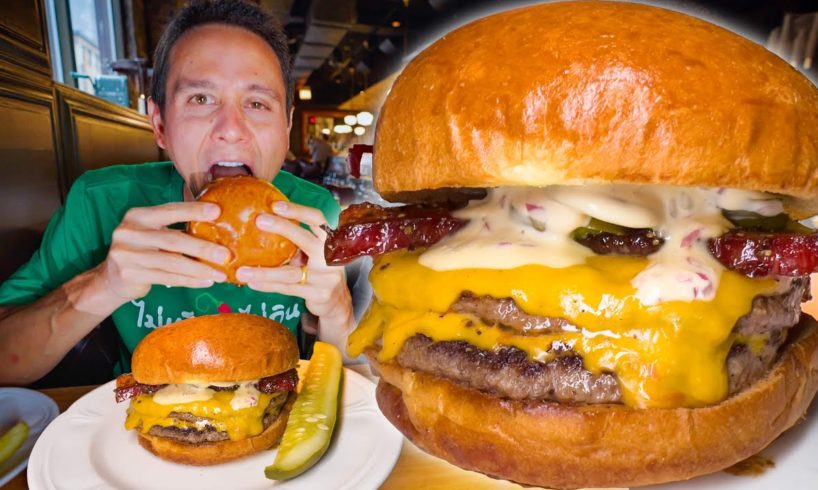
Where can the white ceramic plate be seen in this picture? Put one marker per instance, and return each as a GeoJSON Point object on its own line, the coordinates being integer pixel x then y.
{"type": "Point", "coordinates": [87, 447]}
{"type": "Point", "coordinates": [37, 410]}
{"type": "Point", "coordinates": [794, 454]}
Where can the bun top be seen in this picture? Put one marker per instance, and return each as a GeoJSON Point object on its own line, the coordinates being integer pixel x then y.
{"type": "Point", "coordinates": [581, 92]}
{"type": "Point", "coordinates": [226, 347]}
{"type": "Point", "coordinates": [241, 199]}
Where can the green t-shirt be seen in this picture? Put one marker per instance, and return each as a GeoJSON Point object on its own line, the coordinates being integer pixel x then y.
{"type": "Point", "coordinates": [79, 234]}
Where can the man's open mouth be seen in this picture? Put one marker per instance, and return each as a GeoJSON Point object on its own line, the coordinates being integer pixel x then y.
{"type": "Point", "coordinates": [228, 169]}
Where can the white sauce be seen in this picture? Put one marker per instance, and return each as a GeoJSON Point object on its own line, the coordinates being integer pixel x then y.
{"type": "Point", "coordinates": [182, 393]}
{"type": "Point", "coordinates": [501, 233]}
{"type": "Point", "coordinates": [756, 202]}
{"type": "Point", "coordinates": [516, 226]}
{"type": "Point", "coordinates": [245, 396]}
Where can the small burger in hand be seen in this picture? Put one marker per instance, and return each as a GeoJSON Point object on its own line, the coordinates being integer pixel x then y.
{"type": "Point", "coordinates": [210, 389]}
{"type": "Point", "coordinates": [241, 199]}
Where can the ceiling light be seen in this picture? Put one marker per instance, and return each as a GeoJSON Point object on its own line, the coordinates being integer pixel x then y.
{"type": "Point", "coordinates": [360, 130]}
{"type": "Point", "coordinates": [305, 93]}
{"type": "Point", "coordinates": [395, 24]}
{"type": "Point", "coordinates": [343, 129]}
{"type": "Point", "coordinates": [350, 119]}
{"type": "Point", "coordinates": [365, 118]}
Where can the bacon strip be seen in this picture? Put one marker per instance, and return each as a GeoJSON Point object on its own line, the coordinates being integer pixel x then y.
{"type": "Point", "coordinates": [286, 381]}
{"type": "Point", "coordinates": [127, 387]}
{"type": "Point", "coordinates": [368, 229]}
{"type": "Point", "coordinates": [758, 254]}
{"type": "Point", "coordinates": [636, 243]}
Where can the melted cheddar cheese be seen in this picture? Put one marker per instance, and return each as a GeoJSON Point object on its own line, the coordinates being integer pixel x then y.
{"type": "Point", "coordinates": [144, 413]}
{"type": "Point", "coordinates": [670, 354]}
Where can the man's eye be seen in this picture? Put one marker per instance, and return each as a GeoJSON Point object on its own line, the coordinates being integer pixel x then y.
{"type": "Point", "coordinates": [258, 105]}
{"type": "Point", "coordinates": [200, 99]}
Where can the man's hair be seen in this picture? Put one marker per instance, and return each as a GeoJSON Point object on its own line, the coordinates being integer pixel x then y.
{"type": "Point", "coordinates": [226, 12]}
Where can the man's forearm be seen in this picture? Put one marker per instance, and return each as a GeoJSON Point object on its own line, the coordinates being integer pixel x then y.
{"type": "Point", "coordinates": [35, 337]}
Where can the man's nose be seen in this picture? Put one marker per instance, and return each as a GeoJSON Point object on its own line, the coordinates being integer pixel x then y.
{"type": "Point", "coordinates": [231, 125]}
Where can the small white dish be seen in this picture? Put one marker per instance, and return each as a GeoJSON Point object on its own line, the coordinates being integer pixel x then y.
{"type": "Point", "coordinates": [37, 410]}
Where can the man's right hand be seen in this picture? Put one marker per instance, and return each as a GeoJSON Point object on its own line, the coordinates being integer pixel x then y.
{"type": "Point", "coordinates": [145, 252]}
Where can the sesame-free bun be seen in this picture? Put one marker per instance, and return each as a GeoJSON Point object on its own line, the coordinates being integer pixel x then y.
{"type": "Point", "coordinates": [241, 199]}
{"type": "Point", "coordinates": [214, 348]}
{"type": "Point", "coordinates": [597, 92]}
{"type": "Point", "coordinates": [568, 446]}
{"type": "Point", "coordinates": [218, 452]}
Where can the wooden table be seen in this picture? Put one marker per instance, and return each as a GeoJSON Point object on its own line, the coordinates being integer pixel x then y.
{"type": "Point", "coordinates": [414, 469]}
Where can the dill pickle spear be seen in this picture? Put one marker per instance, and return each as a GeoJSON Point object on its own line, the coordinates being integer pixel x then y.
{"type": "Point", "coordinates": [11, 441]}
{"type": "Point", "coordinates": [313, 416]}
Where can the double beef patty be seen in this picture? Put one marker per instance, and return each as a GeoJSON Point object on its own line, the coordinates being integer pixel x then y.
{"type": "Point", "coordinates": [508, 372]}
{"type": "Point", "coordinates": [207, 433]}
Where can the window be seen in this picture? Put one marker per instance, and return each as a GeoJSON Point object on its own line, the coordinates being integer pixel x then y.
{"type": "Point", "coordinates": [85, 39]}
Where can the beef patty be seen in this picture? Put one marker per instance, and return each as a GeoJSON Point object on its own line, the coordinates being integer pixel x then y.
{"type": "Point", "coordinates": [205, 432]}
{"type": "Point", "coordinates": [508, 372]}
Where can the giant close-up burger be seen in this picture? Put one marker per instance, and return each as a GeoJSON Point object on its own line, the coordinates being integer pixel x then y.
{"type": "Point", "coordinates": [596, 275]}
{"type": "Point", "coordinates": [211, 389]}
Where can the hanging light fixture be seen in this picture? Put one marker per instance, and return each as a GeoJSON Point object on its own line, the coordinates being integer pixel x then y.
{"type": "Point", "coordinates": [360, 130]}
{"type": "Point", "coordinates": [365, 118]}
{"type": "Point", "coordinates": [350, 119]}
{"type": "Point", "coordinates": [343, 129]}
{"type": "Point", "coordinates": [305, 93]}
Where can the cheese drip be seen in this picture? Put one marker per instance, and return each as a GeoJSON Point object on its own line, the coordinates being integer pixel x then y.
{"type": "Point", "coordinates": [670, 354]}
{"type": "Point", "coordinates": [144, 412]}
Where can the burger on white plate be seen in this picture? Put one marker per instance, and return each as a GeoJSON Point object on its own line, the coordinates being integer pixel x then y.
{"type": "Point", "coordinates": [211, 389]}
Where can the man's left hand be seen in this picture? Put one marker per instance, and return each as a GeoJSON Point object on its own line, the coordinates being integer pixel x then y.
{"type": "Point", "coordinates": [307, 276]}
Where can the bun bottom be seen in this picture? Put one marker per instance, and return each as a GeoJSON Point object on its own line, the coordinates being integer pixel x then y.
{"type": "Point", "coordinates": [218, 452]}
{"type": "Point", "coordinates": [568, 446]}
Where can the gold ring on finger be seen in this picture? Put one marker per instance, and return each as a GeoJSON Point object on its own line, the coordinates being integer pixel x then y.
{"type": "Point", "coordinates": [303, 279]}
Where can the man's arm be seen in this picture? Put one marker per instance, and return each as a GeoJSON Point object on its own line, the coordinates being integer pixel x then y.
{"type": "Point", "coordinates": [143, 252]}
{"type": "Point", "coordinates": [35, 337]}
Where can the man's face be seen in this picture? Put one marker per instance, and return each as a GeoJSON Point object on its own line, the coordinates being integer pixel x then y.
{"type": "Point", "coordinates": [225, 110]}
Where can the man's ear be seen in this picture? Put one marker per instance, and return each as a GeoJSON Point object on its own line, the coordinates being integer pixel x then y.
{"type": "Point", "coordinates": [155, 118]}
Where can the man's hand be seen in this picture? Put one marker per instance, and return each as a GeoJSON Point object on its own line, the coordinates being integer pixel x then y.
{"type": "Point", "coordinates": [307, 276]}
{"type": "Point", "coordinates": [144, 251]}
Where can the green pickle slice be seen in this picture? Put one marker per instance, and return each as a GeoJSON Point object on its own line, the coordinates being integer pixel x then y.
{"type": "Point", "coordinates": [11, 441]}
{"type": "Point", "coordinates": [313, 416]}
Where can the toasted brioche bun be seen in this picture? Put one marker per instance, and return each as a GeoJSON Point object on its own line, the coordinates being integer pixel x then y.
{"type": "Point", "coordinates": [241, 200]}
{"type": "Point", "coordinates": [597, 92]}
{"type": "Point", "coordinates": [218, 452]}
{"type": "Point", "coordinates": [226, 347]}
{"type": "Point", "coordinates": [568, 446]}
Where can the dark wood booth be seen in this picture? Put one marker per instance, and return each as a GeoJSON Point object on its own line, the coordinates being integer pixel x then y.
{"type": "Point", "coordinates": [49, 134]}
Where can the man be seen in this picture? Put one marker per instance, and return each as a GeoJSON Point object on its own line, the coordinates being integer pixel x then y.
{"type": "Point", "coordinates": [221, 104]}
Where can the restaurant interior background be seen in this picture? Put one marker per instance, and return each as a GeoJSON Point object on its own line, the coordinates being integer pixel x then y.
{"type": "Point", "coordinates": [74, 73]}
